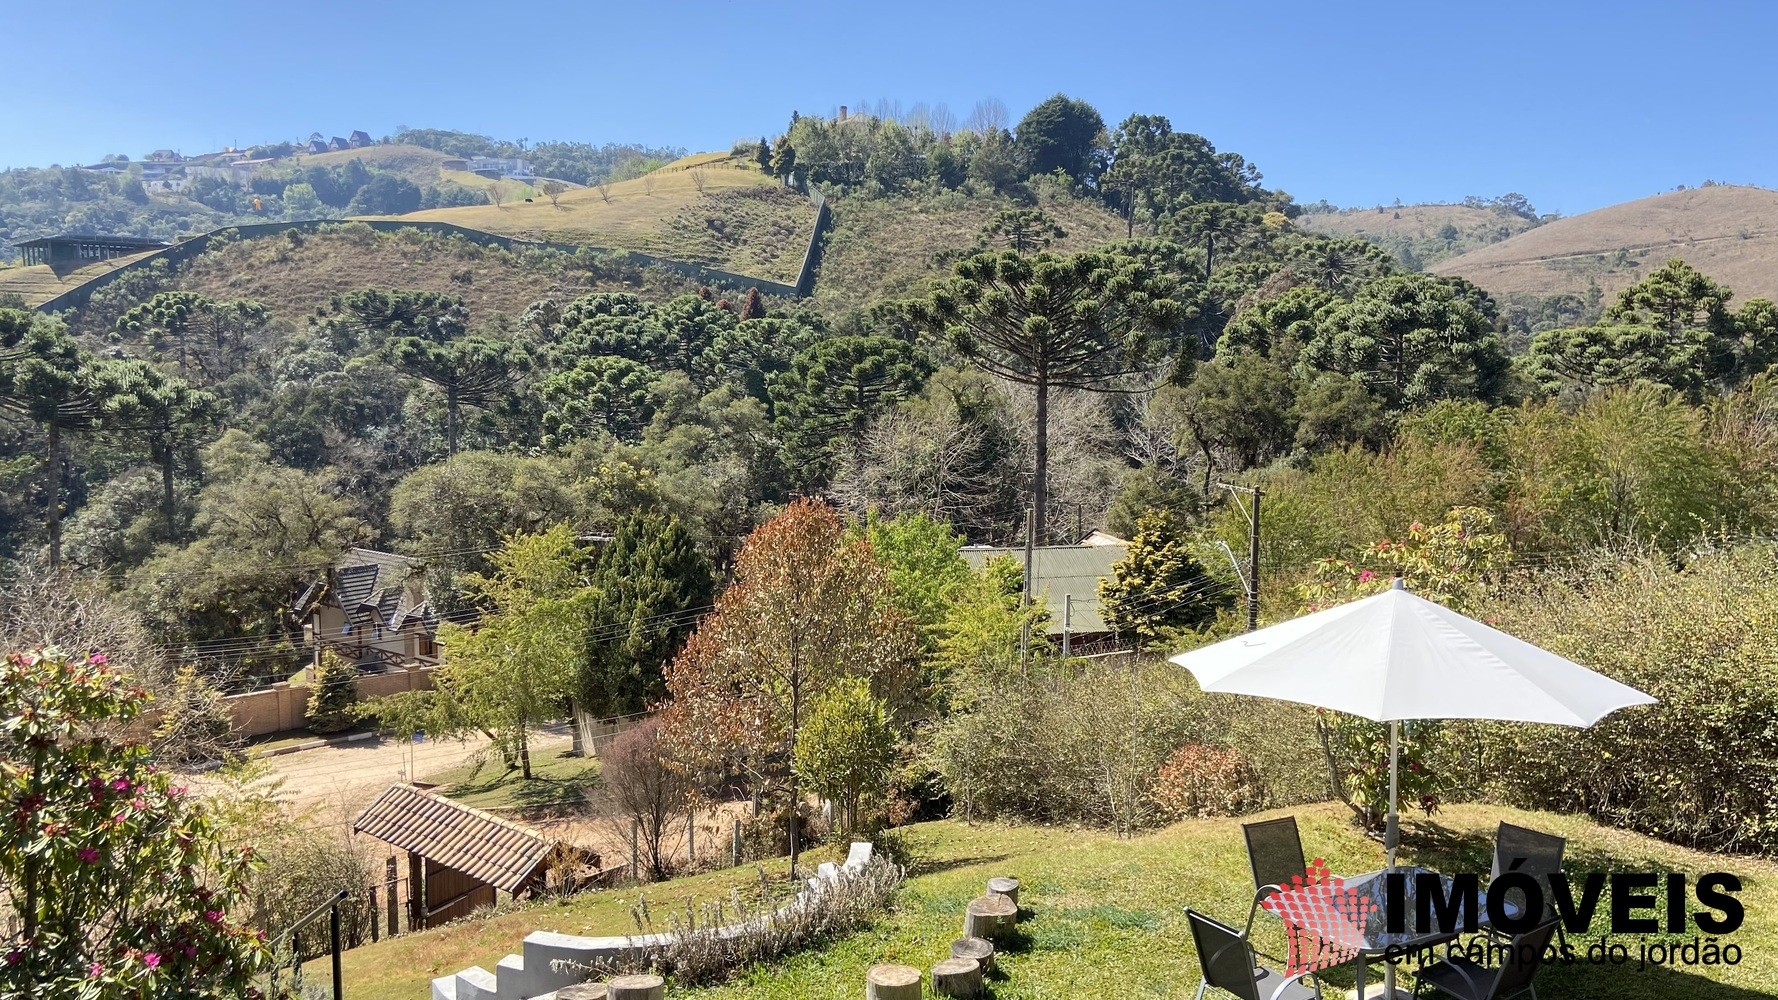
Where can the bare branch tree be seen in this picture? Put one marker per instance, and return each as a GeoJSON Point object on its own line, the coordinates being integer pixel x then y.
{"type": "Point", "coordinates": [698, 177]}
{"type": "Point", "coordinates": [648, 183]}
{"type": "Point", "coordinates": [603, 185]}
{"type": "Point", "coordinates": [553, 190]}
{"type": "Point", "coordinates": [988, 113]}
{"type": "Point", "coordinates": [495, 195]}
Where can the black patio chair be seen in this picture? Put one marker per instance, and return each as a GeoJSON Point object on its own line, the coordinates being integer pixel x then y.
{"type": "Point", "coordinates": [1275, 855]}
{"type": "Point", "coordinates": [1230, 965]}
{"type": "Point", "coordinates": [1466, 980]}
{"type": "Point", "coordinates": [1532, 852]}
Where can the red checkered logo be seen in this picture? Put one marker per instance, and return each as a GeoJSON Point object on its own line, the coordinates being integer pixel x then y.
{"type": "Point", "coordinates": [1324, 919]}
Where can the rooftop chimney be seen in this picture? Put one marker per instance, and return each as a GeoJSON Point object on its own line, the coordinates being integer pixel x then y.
{"type": "Point", "coordinates": [842, 112]}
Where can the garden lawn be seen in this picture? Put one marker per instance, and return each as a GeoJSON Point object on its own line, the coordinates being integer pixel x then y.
{"type": "Point", "coordinates": [403, 968]}
{"type": "Point", "coordinates": [1106, 917]}
{"type": "Point", "coordinates": [559, 780]}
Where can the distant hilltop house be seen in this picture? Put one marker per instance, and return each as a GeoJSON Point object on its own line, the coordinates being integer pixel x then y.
{"type": "Point", "coordinates": [1066, 578]}
{"type": "Point", "coordinates": [371, 608]}
{"type": "Point", "coordinates": [493, 167]}
{"type": "Point", "coordinates": [165, 156]}
{"type": "Point", "coordinates": [357, 140]}
{"type": "Point", "coordinates": [77, 249]}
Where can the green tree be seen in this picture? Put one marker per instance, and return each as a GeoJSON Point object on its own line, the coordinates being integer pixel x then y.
{"type": "Point", "coordinates": [691, 324]}
{"type": "Point", "coordinates": [118, 881]}
{"type": "Point", "coordinates": [1413, 339]}
{"type": "Point", "coordinates": [460, 509]}
{"type": "Point", "coordinates": [1159, 588]}
{"type": "Point", "coordinates": [652, 583]}
{"type": "Point", "coordinates": [1243, 404]}
{"type": "Point", "coordinates": [832, 392]}
{"type": "Point", "coordinates": [607, 394]}
{"type": "Point", "coordinates": [377, 315]}
{"type": "Point", "coordinates": [845, 750]}
{"type": "Point", "coordinates": [924, 561]}
{"type": "Point", "coordinates": [1086, 321]}
{"type": "Point", "coordinates": [49, 381]}
{"type": "Point", "coordinates": [516, 667]}
{"type": "Point", "coordinates": [469, 371]}
{"type": "Point", "coordinates": [1021, 230]}
{"type": "Point", "coordinates": [169, 417]}
{"type": "Point", "coordinates": [983, 631]}
{"type": "Point", "coordinates": [332, 695]}
{"type": "Point", "coordinates": [1061, 134]}
{"type": "Point", "coordinates": [748, 356]}
{"type": "Point", "coordinates": [195, 726]}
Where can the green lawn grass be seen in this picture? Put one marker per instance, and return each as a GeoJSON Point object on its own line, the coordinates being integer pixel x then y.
{"type": "Point", "coordinates": [558, 780]}
{"type": "Point", "coordinates": [1106, 917]}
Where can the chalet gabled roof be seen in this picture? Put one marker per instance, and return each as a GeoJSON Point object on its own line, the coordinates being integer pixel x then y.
{"type": "Point", "coordinates": [481, 845]}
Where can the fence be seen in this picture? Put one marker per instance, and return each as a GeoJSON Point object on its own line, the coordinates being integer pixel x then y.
{"type": "Point", "coordinates": [702, 273]}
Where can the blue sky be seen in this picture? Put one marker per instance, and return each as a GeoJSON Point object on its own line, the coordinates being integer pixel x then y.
{"type": "Point", "coordinates": [1575, 105]}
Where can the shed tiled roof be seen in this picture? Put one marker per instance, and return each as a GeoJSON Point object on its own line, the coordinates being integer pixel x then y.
{"type": "Point", "coordinates": [1061, 571]}
{"type": "Point", "coordinates": [478, 844]}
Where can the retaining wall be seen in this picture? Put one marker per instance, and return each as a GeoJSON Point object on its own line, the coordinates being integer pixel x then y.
{"type": "Point", "coordinates": [280, 708]}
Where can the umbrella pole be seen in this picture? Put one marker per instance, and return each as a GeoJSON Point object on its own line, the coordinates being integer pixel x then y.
{"type": "Point", "coordinates": [1392, 832]}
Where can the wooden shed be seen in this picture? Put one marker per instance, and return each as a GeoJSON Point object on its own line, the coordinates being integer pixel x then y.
{"type": "Point", "coordinates": [458, 856]}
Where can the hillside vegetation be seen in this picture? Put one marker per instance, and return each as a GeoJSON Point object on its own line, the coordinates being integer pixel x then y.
{"type": "Point", "coordinates": [415, 163]}
{"type": "Point", "coordinates": [294, 274]}
{"type": "Point", "coordinates": [1728, 232]}
{"type": "Point", "coordinates": [885, 248]}
{"type": "Point", "coordinates": [741, 220]}
{"type": "Point", "coordinates": [1419, 235]}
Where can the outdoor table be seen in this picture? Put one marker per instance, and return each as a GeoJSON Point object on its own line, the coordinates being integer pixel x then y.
{"type": "Point", "coordinates": [1354, 919]}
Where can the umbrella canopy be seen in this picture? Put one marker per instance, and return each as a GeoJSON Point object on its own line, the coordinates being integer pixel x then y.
{"type": "Point", "coordinates": [1396, 657]}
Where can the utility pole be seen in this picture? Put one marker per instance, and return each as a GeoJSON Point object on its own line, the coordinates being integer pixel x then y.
{"type": "Point", "coordinates": [1251, 577]}
{"type": "Point", "coordinates": [1025, 598]}
{"type": "Point", "coordinates": [1067, 622]}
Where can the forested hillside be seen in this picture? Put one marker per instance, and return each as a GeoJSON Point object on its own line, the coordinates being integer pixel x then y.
{"type": "Point", "coordinates": [1101, 320]}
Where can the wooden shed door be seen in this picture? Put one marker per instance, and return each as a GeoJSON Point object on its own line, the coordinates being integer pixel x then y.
{"type": "Point", "coordinates": [443, 885]}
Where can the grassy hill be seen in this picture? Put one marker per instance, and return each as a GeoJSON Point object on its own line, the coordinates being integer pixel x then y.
{"type": "Point", "coordinates": [885, 247]}
{"type": "Point", "coordinates": [293, 274]}
{"type": "Point", "coordinates": [1106, 917]}
{"type": "Point", "coordinates": [416, 163]}
{"type": "Point", "coordinates": [39, 283]}
{"type": "Point", "coordinates": [1419, 235]}
{"type": "Point", "coordinates": [741, 220]}
{"type": "Point", "coordinates": [1728, 232]}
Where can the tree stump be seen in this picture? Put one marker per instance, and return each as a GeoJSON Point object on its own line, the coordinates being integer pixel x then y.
{"type": "Point", "coordinates": [585, 991]}
{"type": "Point", "coordinates": [645, 987]}
{"type": "Point", "coordinates": [892, 982]}
{"type": "Point", "coordinates": [957, 977]}
{"type": "Point", "coordinates": [980, 949]}
{"type": "Point", "coordinates": [990, 917]}
{"type": "Point", "coordinates": [1008, 887]}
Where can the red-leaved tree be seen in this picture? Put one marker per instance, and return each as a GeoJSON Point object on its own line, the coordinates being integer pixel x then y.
{"type": "Point", "coordinates": [808, 607]}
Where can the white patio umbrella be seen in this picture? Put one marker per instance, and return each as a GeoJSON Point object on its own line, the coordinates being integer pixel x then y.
{"type": "Point", "coordinates": [1397, 657]}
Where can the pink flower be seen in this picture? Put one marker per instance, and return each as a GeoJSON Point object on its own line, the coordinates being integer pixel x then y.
{"type": "Point", "coordinates": [1366, 576]}
{"type": "Point", "coordinates": [175, 791]}
{"type": "Point", "coordinates": [94, 970]}
{"type": "Point", "coordinates": [120, 785]}
{"type": "Point", "coordinates": [151, 959]}
{"type": "Point", "coordinates": [89, 855]}
{"type": "Point", "coordinates": [191, 951]}
{"type": "Point", "coordinates": [14, 957]}
{"type": "Point", "coordinates": [97, 659]}
{"type": "Point", "coordinates": [214, 916]}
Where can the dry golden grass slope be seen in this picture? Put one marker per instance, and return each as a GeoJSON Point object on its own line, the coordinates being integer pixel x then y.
{"type": "Point", "coordinates": [293, 276]}
{"type": "Point", "coordinates": [1728, 232]}
{"type": "Point", "coordinates": [39, 283]}
{"type": "Point", "coordinates": [885, 248]}
{"type": "Point", "coordinates": [741, 221]}
{"type": "Point", "coordinates": [1410, 220]}
{"type": "Point", "coordinates": [416, 163]}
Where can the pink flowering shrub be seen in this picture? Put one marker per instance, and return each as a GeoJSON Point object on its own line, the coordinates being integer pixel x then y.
{"type": "Point", "coordinates": [116, 881]}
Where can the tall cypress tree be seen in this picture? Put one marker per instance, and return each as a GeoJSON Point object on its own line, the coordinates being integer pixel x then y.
{"type": "Point", "coordinates": [652, 584]}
